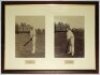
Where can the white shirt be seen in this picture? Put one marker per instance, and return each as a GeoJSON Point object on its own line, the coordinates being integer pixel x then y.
{"type": "Point", "coordinates": [32, 33]}
{"type": "Point", "coordinates": [70, 36]}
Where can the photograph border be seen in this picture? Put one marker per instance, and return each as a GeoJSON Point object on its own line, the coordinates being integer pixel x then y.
{"type": "Point", "coordinates": [4, 3]}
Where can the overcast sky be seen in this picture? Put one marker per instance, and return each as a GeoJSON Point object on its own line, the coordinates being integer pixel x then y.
{"type": "Point", "coordinates": [39, 21]}
{"type": "Point", "coordinates": [73, 21]}
{"type": "Point", "coordinates": [36, 21]}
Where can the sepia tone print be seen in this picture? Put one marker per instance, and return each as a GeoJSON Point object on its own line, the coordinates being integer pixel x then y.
{"type": "Point", "coordinates": [69, 36]}
{"type": "Point", "coordinates": [30, 36]}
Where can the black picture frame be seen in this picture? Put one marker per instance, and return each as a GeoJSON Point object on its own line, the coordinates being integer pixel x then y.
{"type": "Point", "coordinates": [96, 3]}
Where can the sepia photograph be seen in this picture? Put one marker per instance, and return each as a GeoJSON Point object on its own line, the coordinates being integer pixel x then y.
{"type": "Point", "coordinates": [30, 36]}
{"type": "Point", "coordinates": [50, 37]}
{"type": "Point", "coordinates": [69, 36]}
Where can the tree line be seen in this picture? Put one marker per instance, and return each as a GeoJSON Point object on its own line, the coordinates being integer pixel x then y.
{"type": "Point", "coordinates": [25, 28]}
{"type": "Point", "coordinates": [60, 26]}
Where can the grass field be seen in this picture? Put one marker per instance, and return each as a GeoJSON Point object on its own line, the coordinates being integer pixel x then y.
{"type": "Point", "coordinates": [25, 51]}
{"type": "Point", "coordinates": [61, 48]}
{"type": "Point", "coordinates": [60, 45]}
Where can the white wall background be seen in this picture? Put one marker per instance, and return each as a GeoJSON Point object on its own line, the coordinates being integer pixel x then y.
{"type": "Point", "coordinates": [46, 0]}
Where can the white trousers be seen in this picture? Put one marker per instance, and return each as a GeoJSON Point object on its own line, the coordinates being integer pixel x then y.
{"type": "Point", "coordinates": [71, 47]}
{"type": "Point", "coordinates": [33, 36]}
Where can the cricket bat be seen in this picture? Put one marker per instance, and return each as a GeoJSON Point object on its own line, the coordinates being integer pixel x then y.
{"type": "Point", "coordinates": [27, 41]}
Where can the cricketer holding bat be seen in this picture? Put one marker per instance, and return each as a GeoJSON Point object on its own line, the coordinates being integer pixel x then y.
{"type": "Point", "coordinates": [70, 40]}
{"type": "Point", "coordinates": [33, 37]}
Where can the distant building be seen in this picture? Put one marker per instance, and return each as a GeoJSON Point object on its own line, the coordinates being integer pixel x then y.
{"type": "Point", "coordinates": [23, 28]}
